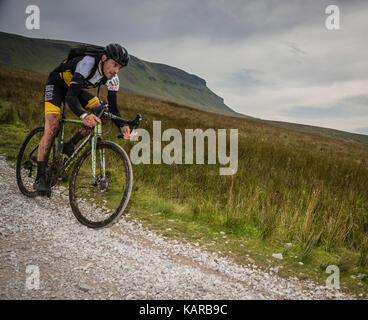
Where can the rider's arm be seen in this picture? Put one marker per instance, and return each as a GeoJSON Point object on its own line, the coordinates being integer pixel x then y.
{"type": "Point", "coordinates": [73, 93]}
{"type": "Point", "coordinates": [82, 70]}
{"type": "Point", "coordinates": [113, 87]}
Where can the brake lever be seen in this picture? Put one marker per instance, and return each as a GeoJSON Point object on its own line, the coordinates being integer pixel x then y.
{"type": "Point", "coordinates": [99, 111]}
{"type": "Point", "coordinates": [133, 125]}
{"type": "Point", "coordinates": [136, 122]}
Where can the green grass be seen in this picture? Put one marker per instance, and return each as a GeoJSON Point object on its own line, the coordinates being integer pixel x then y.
{"type": "Point", "coordinates": [290, 187]}
{"type": "Point", "coordinates": [11, 139]}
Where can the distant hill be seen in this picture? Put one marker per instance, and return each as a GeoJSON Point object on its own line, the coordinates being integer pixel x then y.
{"type": "Point", "coordinates": [319, 131]}
{"type": "Point", "coordinates": [141, 77]}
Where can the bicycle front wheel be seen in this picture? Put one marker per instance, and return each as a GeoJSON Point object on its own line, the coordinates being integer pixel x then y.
{"type": "Point", "coordinates": [99, 193]}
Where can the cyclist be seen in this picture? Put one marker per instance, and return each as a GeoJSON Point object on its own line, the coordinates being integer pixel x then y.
{"type": "Point", "coordinates": [68, 82]}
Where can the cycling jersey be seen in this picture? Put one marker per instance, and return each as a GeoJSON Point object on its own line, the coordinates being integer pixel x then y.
{"type": "Point", "coordinates": [58, 88]}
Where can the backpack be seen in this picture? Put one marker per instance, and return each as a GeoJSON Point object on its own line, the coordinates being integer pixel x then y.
{"type": "Point", "coordinates": [85, 50]}
{"type": "Point", "coordinates": [82, 50]}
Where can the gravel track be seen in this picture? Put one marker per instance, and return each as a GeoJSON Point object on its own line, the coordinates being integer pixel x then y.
{"type": "Point", "coordinates": [125, 261]}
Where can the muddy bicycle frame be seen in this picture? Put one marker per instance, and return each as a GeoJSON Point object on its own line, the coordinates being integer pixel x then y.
{"type": "Point", "coordinates": [94, 136]}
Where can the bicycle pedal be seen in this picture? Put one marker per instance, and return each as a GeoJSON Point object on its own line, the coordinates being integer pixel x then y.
{"type": "Point", "coordinates": [63, 177]}
{"type": "Point", "coordinates": [42, 193]}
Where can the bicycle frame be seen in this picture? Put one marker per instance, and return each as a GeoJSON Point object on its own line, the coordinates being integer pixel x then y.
{"type": "Point", "coordinates": [93, 138]}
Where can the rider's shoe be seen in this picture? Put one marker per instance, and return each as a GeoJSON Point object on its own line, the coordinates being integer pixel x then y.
{"type": "Point", "coordinates": [68, 148]}
{"type": "Point", "coordinates": [41, 186]}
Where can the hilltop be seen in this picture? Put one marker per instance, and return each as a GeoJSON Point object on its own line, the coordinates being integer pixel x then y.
{"type": "Point", "coordinates": [141, 77]}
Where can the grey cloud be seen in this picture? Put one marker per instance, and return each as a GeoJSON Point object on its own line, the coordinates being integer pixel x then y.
{"type": "Point", "coordinates": [363, 130]}
{"type": "Point", "coordinates": [353, 106]}
{"type": "Point", "coordinates": [245, 79]}
{"type": "Point", "coordinates": [322, 73]}
{"type": "Point", "coordinates": [315, 69]}
{"type": "Point", "coordinates": [148, 20]}
{"type": "Point", "coordinates": [294, 48]}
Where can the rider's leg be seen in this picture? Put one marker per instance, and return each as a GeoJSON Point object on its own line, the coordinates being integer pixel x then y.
{"type": "Point", "coordinates": [51, 128]}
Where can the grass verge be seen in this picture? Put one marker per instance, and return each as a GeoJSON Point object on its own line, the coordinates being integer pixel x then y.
{"type": "Point", "coordinates": [246, 245]}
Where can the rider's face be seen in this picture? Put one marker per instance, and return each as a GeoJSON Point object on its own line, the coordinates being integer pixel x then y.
{"type": "Point", "coordinates": [110, 67]}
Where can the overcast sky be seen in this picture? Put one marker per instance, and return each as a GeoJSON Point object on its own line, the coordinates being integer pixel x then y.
{"type": "Point", "coordinates": [270, 59]}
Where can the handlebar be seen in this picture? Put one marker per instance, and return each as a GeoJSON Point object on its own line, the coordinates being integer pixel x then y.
{"type": "Point", "coordinates": [103, 114]}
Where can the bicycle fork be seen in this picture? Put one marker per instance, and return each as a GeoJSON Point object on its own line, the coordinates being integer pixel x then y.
{"type": "Point", "coordinates": [95, 139]}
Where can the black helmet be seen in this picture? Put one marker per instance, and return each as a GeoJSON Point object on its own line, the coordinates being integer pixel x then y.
{"type": "Point", "coordinates": [118, 53]}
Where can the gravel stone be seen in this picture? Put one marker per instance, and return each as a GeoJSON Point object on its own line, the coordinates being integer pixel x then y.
{"type": "Point", "coordinates": [277, 256]}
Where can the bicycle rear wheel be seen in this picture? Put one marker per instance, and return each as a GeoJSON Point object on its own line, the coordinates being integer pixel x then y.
{"type": "Point", "coordinates": [26, 169]}
{"type": "Point", "coordinates": [99, 203]}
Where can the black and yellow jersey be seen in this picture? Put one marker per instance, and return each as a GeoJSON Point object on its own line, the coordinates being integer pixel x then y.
{"type": "Point", "coordinates": [91, 70]}
{"type": "Point", "coordinates": [85, 71]}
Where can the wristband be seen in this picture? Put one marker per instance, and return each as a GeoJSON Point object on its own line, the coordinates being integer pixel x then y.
{"type": "Point", "coordinates": [83, 116]}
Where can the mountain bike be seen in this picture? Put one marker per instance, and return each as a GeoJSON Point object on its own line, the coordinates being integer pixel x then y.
{"type": "Point", "coordinates": [100, 183]}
